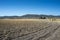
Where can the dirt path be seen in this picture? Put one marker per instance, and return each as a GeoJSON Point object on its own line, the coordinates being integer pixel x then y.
{"type": "Point", "coordinates": [49, 33]}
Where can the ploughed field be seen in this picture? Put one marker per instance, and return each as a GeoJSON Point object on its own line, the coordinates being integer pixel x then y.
{"type": "Point", "coordinates": [29, 29]}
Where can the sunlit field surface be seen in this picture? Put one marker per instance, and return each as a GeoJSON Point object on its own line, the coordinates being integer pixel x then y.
{"type": "Point", "coordinates": [29, 29]}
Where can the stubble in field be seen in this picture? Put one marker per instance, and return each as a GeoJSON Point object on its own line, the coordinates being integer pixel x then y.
{"type": "Point", "coordinates": [30, 29]}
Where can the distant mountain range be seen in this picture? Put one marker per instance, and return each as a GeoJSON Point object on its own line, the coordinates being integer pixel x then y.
{"type": "Point", "coordinates": [29, 16]}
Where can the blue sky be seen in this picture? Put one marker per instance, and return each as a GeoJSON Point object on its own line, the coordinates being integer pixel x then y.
{"type": "Point", "coordinates": [22, 7]}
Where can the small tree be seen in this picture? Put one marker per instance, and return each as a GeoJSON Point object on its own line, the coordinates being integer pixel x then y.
{"type": "Point", "coordinates": [42, 17]}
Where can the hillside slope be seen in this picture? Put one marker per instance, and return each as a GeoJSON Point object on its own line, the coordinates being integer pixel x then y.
{"type": "Point", "coordinates": [29, 16]}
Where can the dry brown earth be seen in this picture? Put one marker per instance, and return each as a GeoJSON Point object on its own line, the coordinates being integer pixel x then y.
{"type": "Point", "coordinates": [30, 29]}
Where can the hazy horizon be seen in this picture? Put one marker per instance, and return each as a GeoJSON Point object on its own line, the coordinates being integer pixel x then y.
{"type": "Point", "coordinates": [22, 7]}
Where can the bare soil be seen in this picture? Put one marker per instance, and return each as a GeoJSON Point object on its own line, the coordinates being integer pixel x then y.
{"type": "Point", "coordinates": [29, 30]}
